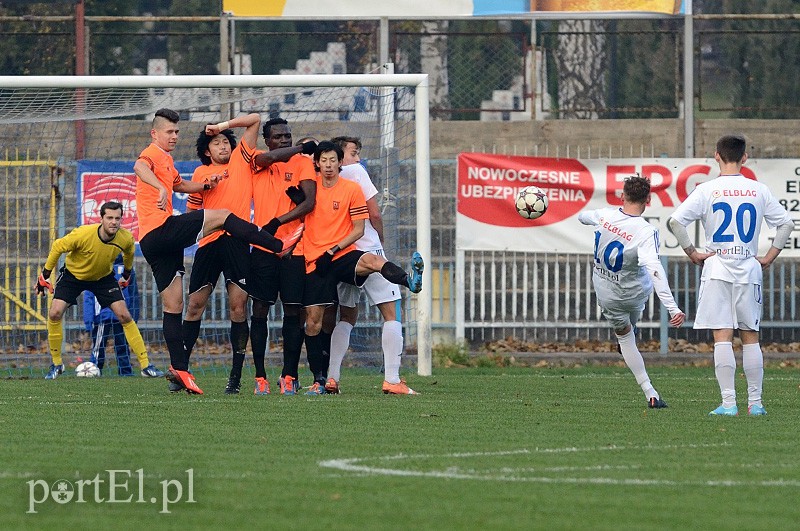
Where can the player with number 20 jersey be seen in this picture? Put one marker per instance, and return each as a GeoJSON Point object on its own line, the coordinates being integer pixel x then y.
{"type": "Point", "coordinates": [731, 209]}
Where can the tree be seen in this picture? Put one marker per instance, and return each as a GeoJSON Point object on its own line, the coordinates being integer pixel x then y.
{"type": "Point", "coordinates": [581, 68]}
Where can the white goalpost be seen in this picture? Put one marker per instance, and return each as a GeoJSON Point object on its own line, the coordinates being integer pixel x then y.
{"type": "Point", "coordinates": [55, 125]}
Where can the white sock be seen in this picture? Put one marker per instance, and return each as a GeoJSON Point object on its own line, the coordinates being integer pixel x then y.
{"type": "Point", "coordinates": [753, 364]}
{"type": "Point", "coordinates": [725, 369]}
{"type": "Point", "coordinates": [635, 362]}
{"type": "Point", "coordinates": [392, 342]}
{"type": "Point", "coordinates": [340, 342]}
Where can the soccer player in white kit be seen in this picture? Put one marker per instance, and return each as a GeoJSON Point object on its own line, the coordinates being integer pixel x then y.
{"type": "Point", "coordinates": [731, 209]}
{"type": "Point", "coordinates": [626, 270]}
{"type": "Point", "coordinates": [380, 291]}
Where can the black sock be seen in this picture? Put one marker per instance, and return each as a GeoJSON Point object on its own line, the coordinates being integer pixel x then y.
{"type": "Point", "coordinates": [326, 351]}
{"type": "Point", "coordinates": [239, 335]}
{"type": "Point", "coordinates": [293, 335]}
{"type": "Point", "coordinates": [244, 230]}
{"type": "Point", "coordinates": [191, 331]}
{"type": "Point", "coordinates": [394, 274]}
{"type": "Point", "coordinates": [173, 337]}
{"type": "Point", "coordinates": [258, 342]}
{"type": "Point", "coordinates": [314, 353]}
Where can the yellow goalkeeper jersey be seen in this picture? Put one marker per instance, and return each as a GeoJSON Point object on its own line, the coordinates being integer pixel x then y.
{"type": "Point", "coordinates": [89, 257]}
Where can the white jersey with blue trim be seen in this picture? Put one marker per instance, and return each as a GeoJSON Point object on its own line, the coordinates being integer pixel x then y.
{"type": "Point", "coordinates": [626, 262]}
{"type": "Point", "coordinates": [731, 209]}
{"type": "Point", "coordinates": [370, 241]}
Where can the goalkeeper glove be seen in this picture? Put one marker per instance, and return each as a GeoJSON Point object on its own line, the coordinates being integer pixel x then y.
{"type": "Point", "coordinates": [43, 284]}
{"type": "Point", "coordinates": [125, 280]}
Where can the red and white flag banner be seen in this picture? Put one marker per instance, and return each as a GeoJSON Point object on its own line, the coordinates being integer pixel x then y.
{"type": "Point", "coordinates": [488, 184]}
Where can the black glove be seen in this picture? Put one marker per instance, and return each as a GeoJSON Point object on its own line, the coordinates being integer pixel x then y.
{"type": "Point", "coordinates": [296, 194]}
{"type": "Point", "coordinates": [324, 263]}
{"type": "Point", "coordinates": [272, 226]}
{"type": "Point", "coordinates": [308, 147]}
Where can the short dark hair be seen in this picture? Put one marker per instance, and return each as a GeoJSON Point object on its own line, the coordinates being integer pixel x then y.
{"type": "Point", "coordinates": [636, 189]}
{"type": "Point", "coordinates": [167, 114]}
{"type": "Point", "coordinates": [324, 147]}
{"type": "Point", "coordinates": [203, 140]}
{"type": "Point", "coordinates": [731, 148]}
{"type": "Point", "coordinates": [110, 205]}
{"type": "Point", "coordinates": [266, 129]}
{"type": "Point", "coordinates": [344, 140]}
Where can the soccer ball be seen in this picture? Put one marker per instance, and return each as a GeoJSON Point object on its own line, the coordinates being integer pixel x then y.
{"type": "Point", "coordinates": [87, 369]}
{"type": "Point", "coordinates": [531, 202]}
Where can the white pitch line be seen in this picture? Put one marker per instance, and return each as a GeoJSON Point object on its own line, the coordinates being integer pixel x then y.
{"type": "Point", "coordinates": [356, 468]}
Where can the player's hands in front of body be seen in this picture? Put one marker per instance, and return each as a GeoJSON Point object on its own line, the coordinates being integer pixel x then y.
{"type": "Point", "coordinates": [296, 194]}
{"type": "Point", "coordinates": [324, 263]}
{"type": "Point", "coordinates": [162, 198]}
{"type": "Point", "coordinates": [677, 318]}
{"type": "Point", "coordinates": [43, 285]}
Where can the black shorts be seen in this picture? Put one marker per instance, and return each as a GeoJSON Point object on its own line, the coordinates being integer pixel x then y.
{"type": "Point", "coordinates": [69, 288]}
{"type": "Point", "coordinates": [321, 290]}
{"type": "Point", "coordinates": [270, 277]}
{"type": "Point", "coordinates": [163, 246]}
{"type": "Point", "coordinates": [225, 255]}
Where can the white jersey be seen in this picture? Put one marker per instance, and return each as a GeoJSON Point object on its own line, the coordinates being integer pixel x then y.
{"type": "Point", "coordinates": [626, 263]}
{"type": "Point", "coordinates": [731, 209]}
{"type": "Point", "coordinates": [370, 241]}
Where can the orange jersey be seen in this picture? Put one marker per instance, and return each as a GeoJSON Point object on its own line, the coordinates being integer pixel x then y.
{"type": "Point", "coordinates": [269, 192]}
{"type": "Point", "coordinates": [234, 192]}
{"type": "Point", "coordinates": [332, 219]}
{"type": "Point", "coordinates": [162, 165]}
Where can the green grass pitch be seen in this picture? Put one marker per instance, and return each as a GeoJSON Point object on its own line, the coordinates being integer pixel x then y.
{"type": "Point", "coordinates": [513, 448]}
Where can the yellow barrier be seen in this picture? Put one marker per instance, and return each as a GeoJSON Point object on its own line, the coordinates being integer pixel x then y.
{"type": "Point", "coordinates": [23, 176]}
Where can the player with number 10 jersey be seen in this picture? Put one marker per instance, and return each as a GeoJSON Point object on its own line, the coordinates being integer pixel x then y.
{"type": "Point", "coordinates": [626, 263]}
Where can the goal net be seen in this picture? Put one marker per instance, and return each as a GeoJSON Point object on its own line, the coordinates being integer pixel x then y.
{"type": "Point", "coordinates": [69, 145]}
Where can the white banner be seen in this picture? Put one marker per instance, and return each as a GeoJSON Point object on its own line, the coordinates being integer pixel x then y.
{"type": "Point", "coordinates": [488, 184]}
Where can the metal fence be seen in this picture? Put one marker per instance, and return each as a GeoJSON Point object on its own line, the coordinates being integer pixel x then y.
{"type": "Point", "coordinates": [490, 69]}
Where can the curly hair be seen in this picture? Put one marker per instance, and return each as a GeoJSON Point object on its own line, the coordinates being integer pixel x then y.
{"type": "Point", "coordinates": [636, 189]}
{"type": "Point", "coordinates": [203, 140]}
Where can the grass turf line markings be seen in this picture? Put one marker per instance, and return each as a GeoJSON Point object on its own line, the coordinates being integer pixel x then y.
{"type": "Point", "coordinates": [355, 466]}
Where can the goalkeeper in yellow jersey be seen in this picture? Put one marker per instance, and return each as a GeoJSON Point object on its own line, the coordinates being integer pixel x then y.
{"type": "Point", "coordinates": [91, 251]}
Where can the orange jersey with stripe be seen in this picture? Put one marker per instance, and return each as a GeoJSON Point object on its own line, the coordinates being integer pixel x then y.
{"type": "Point", "coordinates": [234, 191]}
{"type": "Point", "coordinates": [269, 192]}
{"type": "Point", "coordinates": [162, 165]}
{"type": "Point", "coordinates": [332, 219]}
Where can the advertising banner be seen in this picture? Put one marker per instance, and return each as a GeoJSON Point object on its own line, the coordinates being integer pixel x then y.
{"type": "Point", "coordinates": [100, 181]}
{"type": "Point", "coordinates": [344, 9]}
{"type": "Point", "coordinates": [488, 185]}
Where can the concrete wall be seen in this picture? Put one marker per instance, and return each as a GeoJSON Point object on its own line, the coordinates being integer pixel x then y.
{"type": "Point", "coordinates": [124, 139]}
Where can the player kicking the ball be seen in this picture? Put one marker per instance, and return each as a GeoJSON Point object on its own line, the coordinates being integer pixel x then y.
{"type": "Point", "coordinates": [626, 269]}
{"type": "Point", "coordinates": [332, 228]}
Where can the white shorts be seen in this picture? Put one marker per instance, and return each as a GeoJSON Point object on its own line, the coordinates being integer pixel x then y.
{"type": "Point", "coordinates": [622, 313]}
{"type": "Point", "coordinates": [722, 304]}
{"type": "Point", "coordinates": [378, 289]}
